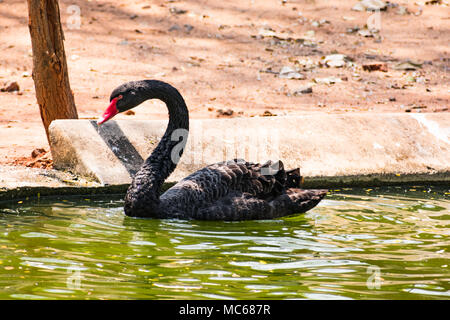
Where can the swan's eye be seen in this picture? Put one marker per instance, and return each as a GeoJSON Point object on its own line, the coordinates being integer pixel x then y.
{"type": "Point", "coordinates": [119, 97]}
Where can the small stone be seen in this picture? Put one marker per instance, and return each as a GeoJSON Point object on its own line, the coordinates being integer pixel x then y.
{"type": "Point", "coordinates": [13, 86]}
{"type": "Point", "coordinates": [266, 32]}
{"type": "Point", "coordinates": [402, 11]}
{"type": "Point", "coordinates": [303, 90]}
{"type": "Point", "coordinates": [309, 35]}
{"type": "Point", "coordinates": [370, 5]}
{"type": "Point", "coordinates": [352, 30]}
{"type": "Point", "coordinates": [175, 10]}
{"type": "Point", "coordinates": [335, 60]}
{"type": "Point", "coordinates": [37, 152]}
{"type": "Point", "coordinates": [289, 73]}
{"type": "Point", "coordinates": [408, 65]}
{"type": "Point", "coordinates": [175, 27]}
{"type": "Point", "coordinates": [188, 27]}
{"type": "Point", "coordinates": [365, 33]}
{"type": "Point", "coordinates": [227, 112]}
{"type": "Point", "coordinates": [328, 80]}
{"type": "Point", "coordinates": [375, 67]}
{"type": "Point", "coordinates": [358, 7]}
{"type": "Point", "coordinates": [267, 113]}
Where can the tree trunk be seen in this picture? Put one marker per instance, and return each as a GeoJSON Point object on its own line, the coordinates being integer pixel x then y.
{"type": "Point", "coordinates": [50, 75]}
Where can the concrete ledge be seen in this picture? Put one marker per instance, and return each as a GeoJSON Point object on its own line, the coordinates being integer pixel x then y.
{"type": "Point", "coordinates": [17, 183]}
{"type": "Point", "coordinates": [9, 194]}
{"type": "Point", "coordinates": [18, 177]}
{"type": "Point", "coordinates": [339, 149]}
{"type": "Point", "coordinates": [347, 147]}
{"type": "Point", "coordinates": [21, 182]}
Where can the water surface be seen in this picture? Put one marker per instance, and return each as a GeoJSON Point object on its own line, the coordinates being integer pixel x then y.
{"type": "Point", "coordinates": [390, 243]}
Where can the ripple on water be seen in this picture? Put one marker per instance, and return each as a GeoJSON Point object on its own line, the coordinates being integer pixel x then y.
{"type": "Point", "coordinates": [300, 264]}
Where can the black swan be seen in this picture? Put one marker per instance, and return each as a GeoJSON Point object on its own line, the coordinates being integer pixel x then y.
{"type": "Point", "coordinates": [231, 190]}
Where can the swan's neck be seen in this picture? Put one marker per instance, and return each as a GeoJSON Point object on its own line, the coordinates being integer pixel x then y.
{"type": "Point", "coordinates": [143, 194]}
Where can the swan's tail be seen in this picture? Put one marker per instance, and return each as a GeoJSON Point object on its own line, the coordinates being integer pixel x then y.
{"type": "Point", "coordinates": [297, 200]}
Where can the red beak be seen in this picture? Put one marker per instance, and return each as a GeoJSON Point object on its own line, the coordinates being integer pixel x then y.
{"type": "Point", "coordinates": [110, 112]}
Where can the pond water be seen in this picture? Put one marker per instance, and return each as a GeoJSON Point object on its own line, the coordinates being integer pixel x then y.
{"type": "Point", "coordinates": [380, 243]}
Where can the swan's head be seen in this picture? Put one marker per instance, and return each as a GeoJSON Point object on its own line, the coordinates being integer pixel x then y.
{"type": "Point", "coordinates": [123, 98]}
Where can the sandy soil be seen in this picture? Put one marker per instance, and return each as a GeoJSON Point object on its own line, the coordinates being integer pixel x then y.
{"type": "Point", "coordinates": [227, 55]}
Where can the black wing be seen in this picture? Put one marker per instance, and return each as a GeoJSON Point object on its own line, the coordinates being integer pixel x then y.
{"type": "Point", "coordinates": [213, 182]}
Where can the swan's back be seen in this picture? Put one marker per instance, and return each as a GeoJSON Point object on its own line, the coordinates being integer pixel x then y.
{"type": "Point", "coordinates": [231, 190]}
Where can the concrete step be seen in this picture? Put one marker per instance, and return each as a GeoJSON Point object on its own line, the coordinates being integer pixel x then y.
{"type": "Point", "coordinates": [331, 149]}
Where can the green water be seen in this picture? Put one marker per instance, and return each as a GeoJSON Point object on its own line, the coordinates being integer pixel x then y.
{"type": "Point", "coordinates": [390, 243]}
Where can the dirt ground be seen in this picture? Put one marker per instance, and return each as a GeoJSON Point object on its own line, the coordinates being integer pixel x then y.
{"type": "Point", "coordinates": [225, 57]}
